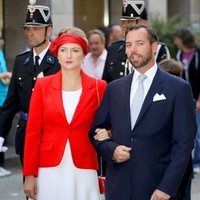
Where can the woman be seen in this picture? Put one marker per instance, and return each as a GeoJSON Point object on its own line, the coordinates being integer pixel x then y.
{"type": "Point", "coordinates": [4, 82]}
{"type": "Point", "coordinates": [59, 160]}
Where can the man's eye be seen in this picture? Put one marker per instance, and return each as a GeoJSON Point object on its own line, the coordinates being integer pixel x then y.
{"type": "Point", "coordinates": [140, 43]}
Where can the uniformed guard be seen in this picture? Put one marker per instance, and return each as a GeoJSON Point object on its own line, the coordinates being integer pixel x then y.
{"type": "Point", "coordinates": [28, 66]}
{"type": "Point", "coordinates": [117, 65]}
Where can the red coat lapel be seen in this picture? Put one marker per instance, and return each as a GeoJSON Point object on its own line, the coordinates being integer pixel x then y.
{"type": "Point", "coordinates": [87, 91]}
{"type": "Point", "coordinates": [56, 90]}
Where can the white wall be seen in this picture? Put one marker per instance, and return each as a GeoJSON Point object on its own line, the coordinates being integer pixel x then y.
{"type": "Point", "coordinates": [62, 14]}
{"type": "Point", "coordinates": [158, 6]}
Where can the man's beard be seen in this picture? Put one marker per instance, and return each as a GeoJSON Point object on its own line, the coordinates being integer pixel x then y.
{"type": "Point", "coordinates": [142, 62]}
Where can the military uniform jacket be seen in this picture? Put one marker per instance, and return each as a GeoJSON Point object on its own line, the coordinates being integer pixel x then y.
{"type": "Point", "coordinates": [116, 65]}
{"type": "Point", "coordinates": [20, 89]}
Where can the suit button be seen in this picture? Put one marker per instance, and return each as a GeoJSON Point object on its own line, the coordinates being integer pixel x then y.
{"type": "Point", "coordinates": [132, 139]}
{"type": "Point", "coordinates": [32, 89]}
{"type": "Point", "coordinates": [34, 78]}
{"type": "Point", "coordinates": [17, 125]}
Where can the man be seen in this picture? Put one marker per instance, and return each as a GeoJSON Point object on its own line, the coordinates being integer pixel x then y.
{"type": "Point", "coordinates": [115, 33]}
{"type": "Point", "coordinates": [27, 69]}
{"type": "Point", "coordinates": [117, 65]}
{"type": "Point", "coordinates": [150, 147]}
{"type": "Point", "coordinates": [94, 61]}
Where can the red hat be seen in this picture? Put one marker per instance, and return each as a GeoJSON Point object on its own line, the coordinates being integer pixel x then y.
{"type": "Point", "coordinates": [68, 38]}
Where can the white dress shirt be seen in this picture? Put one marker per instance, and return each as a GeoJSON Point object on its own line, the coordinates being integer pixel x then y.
{"type": "Point", "coordinates": [94, 70]}
{"type": "Point", "coordinates": [147, 82]}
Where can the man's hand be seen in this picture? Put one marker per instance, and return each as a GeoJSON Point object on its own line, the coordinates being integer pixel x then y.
{"type": "Point", "coordinates": [159, 195]}
{"type": "Point", "coordinates": [198, 105]}
{"type": "Point", "coordinates": [30, 187]}
{"type": "Point", "coordinates": [121, 154]}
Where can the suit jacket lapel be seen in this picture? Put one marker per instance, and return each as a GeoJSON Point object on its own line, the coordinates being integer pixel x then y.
{"type": "Point", "coordinates": [156, 87]}
{"type": "Point", "coordinates": [125, 93]}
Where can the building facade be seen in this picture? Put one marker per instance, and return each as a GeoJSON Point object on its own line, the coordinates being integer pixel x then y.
{"type": "Point", "coordinates": [85, 14]}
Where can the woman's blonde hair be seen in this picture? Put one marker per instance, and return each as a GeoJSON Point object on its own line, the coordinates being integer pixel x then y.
{"type": "Point", "coordinates": [73, 30]}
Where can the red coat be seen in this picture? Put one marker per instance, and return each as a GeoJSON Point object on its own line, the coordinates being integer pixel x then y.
{"type": "Point", "coordinates": [48, 130]}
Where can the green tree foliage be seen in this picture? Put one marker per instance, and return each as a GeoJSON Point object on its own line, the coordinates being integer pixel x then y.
{"type": "Point", "coordinates": [166, 28]}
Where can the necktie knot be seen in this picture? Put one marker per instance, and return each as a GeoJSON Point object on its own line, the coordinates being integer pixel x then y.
{"type": "Point", "coordinates": [141, 78]}
{"type": "Point", "coordinates": [37, 60]}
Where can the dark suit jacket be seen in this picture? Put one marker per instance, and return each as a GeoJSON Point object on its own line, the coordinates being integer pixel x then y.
{"type": "Point", "coordinates": [161, 140]}
{"type": "Point", "coordinates": [19, 93]}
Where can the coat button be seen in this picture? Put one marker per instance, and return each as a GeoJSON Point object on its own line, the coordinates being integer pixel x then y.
{"type": "Point", "coordinates": [34, 78]}
{"type": "Point", "coordinates": [32, 89]}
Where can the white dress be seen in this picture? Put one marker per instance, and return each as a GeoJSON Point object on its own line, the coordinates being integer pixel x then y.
{"type": "Point", "coordinates": [65, 181]}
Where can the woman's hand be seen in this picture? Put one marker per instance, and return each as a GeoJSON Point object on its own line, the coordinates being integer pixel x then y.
{"type": "Point", "coordinates": [30, 187]}
{"type": "Point", "coordinates": [102, 134]}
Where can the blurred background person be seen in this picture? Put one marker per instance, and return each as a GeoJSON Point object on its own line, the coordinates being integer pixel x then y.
{"type": "Point", "coordinates": [189, 54]}
{"type": "Point", "coordinates": [116, 33]}
{"type": "Point", "coordinates": [172, 66]}
{"type": "Point", "coordinates": [4, 82]}
{"type": "Point", "coordinates": [94, 61]}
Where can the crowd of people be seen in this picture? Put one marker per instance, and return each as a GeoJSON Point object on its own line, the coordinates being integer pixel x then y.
{"type": "Point", "coordinates": [116, 95]}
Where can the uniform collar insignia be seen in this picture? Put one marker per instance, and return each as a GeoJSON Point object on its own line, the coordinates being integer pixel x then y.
{"type": "Point", "coordinates": [50, 59]}
{"type": "Point", "coordinates": [27, 61]}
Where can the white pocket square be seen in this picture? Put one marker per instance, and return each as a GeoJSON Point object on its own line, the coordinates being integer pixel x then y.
{"type": "Point", "coordinates": [159, 97]}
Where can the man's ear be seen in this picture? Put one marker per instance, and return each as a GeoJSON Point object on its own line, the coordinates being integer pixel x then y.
{"type": "Point", "coordinates": [154, 47]}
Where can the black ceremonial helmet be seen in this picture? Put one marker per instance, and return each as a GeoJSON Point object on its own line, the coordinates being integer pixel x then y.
{"type": "Point", "coordinates": [37, 15]}
{"type": "Point", "coordinates": [132, 9]}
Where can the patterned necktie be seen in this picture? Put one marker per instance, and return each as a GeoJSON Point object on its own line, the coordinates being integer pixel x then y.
{"type": "Point", "coordinates": [36, 66]}
{"type": "Point", "coordinates": [137, 100]}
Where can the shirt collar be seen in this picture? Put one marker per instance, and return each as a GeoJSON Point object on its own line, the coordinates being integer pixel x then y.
{"type": "Point", "coordinates": [42, 54]}
{"type": "Point", "coordinates": [149, 73]}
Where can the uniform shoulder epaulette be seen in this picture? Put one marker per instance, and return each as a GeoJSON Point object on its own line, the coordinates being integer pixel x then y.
{"type": "Point", "coordinates": [118, 42]}
{"type": "Point", "coordinates": [24, 52]}
{"type": "Point", "coordinates": [162, 44]}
